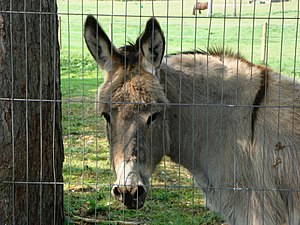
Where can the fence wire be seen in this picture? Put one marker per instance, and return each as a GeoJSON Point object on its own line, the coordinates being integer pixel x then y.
{"type": "Point", "coordinates": [263, 32]}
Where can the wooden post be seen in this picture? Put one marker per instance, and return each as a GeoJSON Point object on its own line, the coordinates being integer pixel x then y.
{"type": "Point", "coordinates": [234, 8]}
{"type": "Point", "coordinates": [31, 141]}
{"type": "Point", "coordinates": [110, 32]}
{"type": "Point", "coordinates": [209, 8]}
{"type": "Point", "coordinates": [264, 42]}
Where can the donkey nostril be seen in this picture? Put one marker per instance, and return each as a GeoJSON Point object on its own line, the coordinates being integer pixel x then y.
{"type": "Point", "coordinates": [140, 193]}
{"type": "Point", "coordinates": [116, 192]}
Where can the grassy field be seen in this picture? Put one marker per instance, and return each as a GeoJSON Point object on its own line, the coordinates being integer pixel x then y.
{"type": "Point", "coordinates": [173, 198]}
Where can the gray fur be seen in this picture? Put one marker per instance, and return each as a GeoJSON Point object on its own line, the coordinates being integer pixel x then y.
{"type": "Point", "coordinates": [247, 166]}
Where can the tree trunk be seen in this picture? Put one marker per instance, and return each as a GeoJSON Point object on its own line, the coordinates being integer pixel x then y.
{"type": "Point", "coordinates": [31, 149]}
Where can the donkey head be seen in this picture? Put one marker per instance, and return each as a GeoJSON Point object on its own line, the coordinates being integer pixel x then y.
{"type": "Point", "coordinates": [133, 102]}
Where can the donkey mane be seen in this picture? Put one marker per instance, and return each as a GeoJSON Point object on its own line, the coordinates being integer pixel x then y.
{"type": "Point", "coordinates": [221, 52]}
{"type": "Point", "coordinates": [217, 51]}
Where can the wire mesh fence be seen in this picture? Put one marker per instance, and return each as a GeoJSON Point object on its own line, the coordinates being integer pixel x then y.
{"type": "Point", "coordinates": [226, 111]}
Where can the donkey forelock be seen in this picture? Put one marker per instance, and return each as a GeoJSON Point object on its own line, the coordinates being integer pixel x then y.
{"type": "Point", "coordinates": [132, 88]}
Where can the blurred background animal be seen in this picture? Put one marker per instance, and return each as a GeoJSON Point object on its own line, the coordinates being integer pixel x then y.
{"type": "Point", "coordinates": [200, 6]}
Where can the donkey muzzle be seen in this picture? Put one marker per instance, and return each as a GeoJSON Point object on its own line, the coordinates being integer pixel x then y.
{"type": "Point", "coordinates": [133, 197]}
{"type": "Point", "coordinates": [129, 187]}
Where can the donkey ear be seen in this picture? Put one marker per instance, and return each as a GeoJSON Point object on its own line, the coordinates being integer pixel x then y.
{"type": "Point", "coordinates": [97, 41]}
{"type": "Point", "coordinates": [152, 43]}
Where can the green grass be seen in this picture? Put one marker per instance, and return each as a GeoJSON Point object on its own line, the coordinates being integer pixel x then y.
{"type": "Point", "coordinates": [181, 28]}
{"type": "Point", "coordinates": [173, 198]}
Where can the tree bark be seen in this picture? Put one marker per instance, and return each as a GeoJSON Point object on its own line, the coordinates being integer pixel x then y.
{"type": "Point", "coordinates": [31, 148]}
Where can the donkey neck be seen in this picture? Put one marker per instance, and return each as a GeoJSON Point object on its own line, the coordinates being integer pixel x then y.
{"type": "Point", "coordinates": [210, 107]}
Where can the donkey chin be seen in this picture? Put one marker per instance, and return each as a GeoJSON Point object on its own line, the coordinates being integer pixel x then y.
{"type": "Point", "coordinates": [129, 187]}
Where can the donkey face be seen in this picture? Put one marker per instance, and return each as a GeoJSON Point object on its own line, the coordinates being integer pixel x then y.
{"type": "Point", "coordinates": [133, 103]}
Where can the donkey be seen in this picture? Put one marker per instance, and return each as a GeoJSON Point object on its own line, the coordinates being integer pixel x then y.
{"type": "Point", "coordinates": [200, 6]}
{"type": "Point", "coordinates": [234, 125]}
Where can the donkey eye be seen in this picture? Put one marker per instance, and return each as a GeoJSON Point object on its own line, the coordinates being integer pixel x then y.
{"type": "Point", "coordinates": [106, 116]}
{"type": "Point", "coordinates": [151, 119]}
